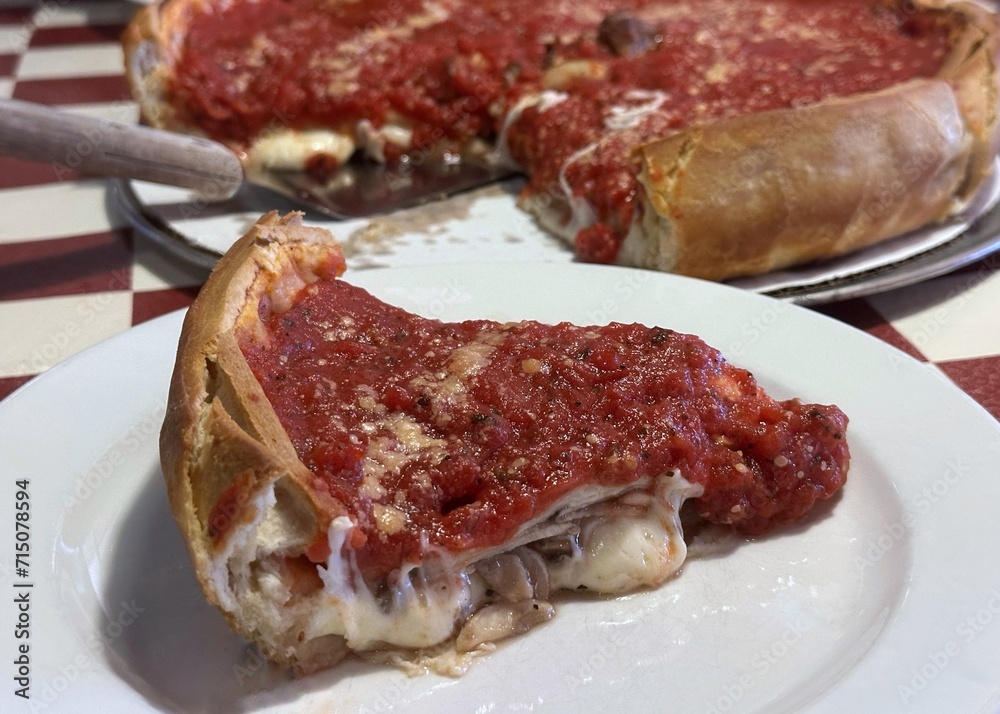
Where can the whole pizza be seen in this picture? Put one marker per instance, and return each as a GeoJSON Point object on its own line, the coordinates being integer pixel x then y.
{"type": "Point", "coordinates": [712, 138]}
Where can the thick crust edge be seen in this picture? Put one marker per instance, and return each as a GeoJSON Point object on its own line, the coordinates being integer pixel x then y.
{"type": "Point", "coordinates": [220, 436]}
{"type": "Point", "coordinates": [764, 191]}
{"type": "Point", "coordinates": [150, 43]}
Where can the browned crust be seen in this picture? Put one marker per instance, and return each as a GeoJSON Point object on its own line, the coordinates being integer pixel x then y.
{"type": "Point", "coordinates": [764, 191]}
{"type": "Point", "coordinates": [220, 431]}
{"type": "Point", "coordinates": [768, 190]}
{"type": "Point", "coordinates": [150, 44]}
{"type": "Point", "coordinates": [971, 72]}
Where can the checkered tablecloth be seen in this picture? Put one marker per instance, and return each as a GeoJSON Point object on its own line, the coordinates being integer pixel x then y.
{"type": "Point", "coordinates": [72, 272]}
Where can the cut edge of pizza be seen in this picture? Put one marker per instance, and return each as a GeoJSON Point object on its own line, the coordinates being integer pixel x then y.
{"type": "Point", "coordinates": [724, 198]}
{"type": "Point", "coordinates": [757, 192]}
{"type": "Point", "coordinates": [281, 556]}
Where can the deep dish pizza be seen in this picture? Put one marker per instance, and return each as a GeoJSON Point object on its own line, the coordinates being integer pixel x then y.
{"type": "Point", "coordinates": [713, 138]}
{"type": "Point", "coordinates": [350, 477]}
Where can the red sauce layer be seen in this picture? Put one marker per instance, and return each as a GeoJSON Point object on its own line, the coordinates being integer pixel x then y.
{"type": "Point", "coordinates": [455, 74]}
{"type": "Point", "coordinates": [451, 435]}
{"type": "Point", "coordinates": [304, 63]}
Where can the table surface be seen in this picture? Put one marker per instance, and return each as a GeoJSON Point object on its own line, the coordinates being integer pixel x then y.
{"type": "Point", "coordinates": [72, 271]}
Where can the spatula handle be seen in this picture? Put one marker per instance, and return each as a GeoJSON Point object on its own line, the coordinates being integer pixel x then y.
{"type": "Point", "coordinates": [69, 141]}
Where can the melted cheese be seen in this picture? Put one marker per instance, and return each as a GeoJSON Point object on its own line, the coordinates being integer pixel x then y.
{"type": "Point", "coordinates": [289, 150]}
{"type": "Point", "coordinates": [544, 100]}
{"type": "Point", "coordinates": [372, 141]}
{"type": "Point", "coordinates": [626, 117]}
{"type": "Point", "coordinates": [582, 213]}
{"type": "Point", "coordinates": [419, 613]}
{"type": "Point", "coordinates": [621, 553]}
{"type": "Point", "coordinates": [614, 552]}
{"type": "Point", "coordinates": [619, 118]}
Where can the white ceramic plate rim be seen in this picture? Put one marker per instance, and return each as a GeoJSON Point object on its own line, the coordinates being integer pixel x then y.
{"type": "Point", "coordinates": [935, 646]}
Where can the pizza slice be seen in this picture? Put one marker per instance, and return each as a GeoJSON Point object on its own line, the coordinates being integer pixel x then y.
{"type": "Point", "coordinates": [350, 477]}
{"type": "Point", "coordinates": [705, 137]}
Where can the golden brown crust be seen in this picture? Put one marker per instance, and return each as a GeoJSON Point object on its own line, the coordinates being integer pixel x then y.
{"type": "Point", "coordinates": [220, 434]}
{"type": "Point", "coordinates": [971, 72]}
{"type": "Point", "coordinates": [759, 192]}
{"type": "Point", "coordinates": [764, 191]}
{"type": "Point", "coordinates": [150, 46]}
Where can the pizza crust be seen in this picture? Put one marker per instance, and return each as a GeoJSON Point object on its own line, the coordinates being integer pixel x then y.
{"type": "Point", "coordinates": [764, 191]}
{"type": "Point", "coordinates": [220, 434]}
{"type": "Point", "coordinates": [151, 43]}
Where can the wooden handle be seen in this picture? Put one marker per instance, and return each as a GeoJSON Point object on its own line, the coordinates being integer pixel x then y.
{"type": "Point", "coordinates": [68, 141]}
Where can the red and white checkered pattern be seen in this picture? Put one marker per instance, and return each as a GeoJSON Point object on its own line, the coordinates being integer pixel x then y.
{"type": "Point", "coordinates": [73, 273]}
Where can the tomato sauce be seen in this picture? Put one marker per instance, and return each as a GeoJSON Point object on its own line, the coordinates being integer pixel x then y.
{"type": "Point", "coordinates": [450, 71]}
{"type": "Point", "coordinates": [452, 435]}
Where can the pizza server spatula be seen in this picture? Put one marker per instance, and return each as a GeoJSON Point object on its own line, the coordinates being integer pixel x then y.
{"type": "Point", "coordinates": [70, 141]}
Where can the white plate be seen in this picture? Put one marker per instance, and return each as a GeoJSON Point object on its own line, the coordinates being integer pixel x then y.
{"type": "Point", "coordinates": [888, 600]}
